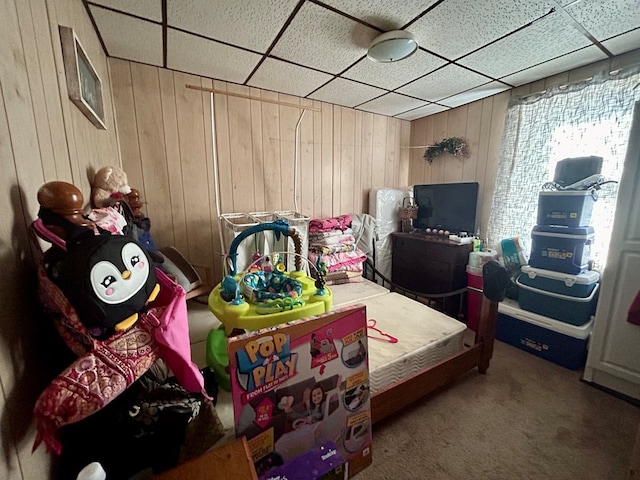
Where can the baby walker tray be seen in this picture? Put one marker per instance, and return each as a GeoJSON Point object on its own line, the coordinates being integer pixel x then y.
{"type": "Point", "coordinates": [260, 298]}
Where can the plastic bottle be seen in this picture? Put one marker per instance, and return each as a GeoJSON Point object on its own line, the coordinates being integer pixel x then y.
{"type": "Point", "coordinates": [477, 243]}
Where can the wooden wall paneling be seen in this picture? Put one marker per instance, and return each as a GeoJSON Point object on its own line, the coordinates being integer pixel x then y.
{"type": "Point", "coordinates": [485, 184]}
{"type": "Point", "coordinates": [306, 171]}
{"type": "Point", "coordinates": [390, 153]}
{"type": "Point", "coordinates": [317, 160]}
{"type": "Point", "coordinates": [327, 160]}
{"type": "Point", "coordinates": [221, 105]}
{"type": "Point", "coordinates": [379, 151]}
{"type": "Point", "coordinates": [347, 160]}
{"type": "Point", "coordinates": [357, 165]}
{"type": "Point", "coordinates": [194, 168]}
{"type": "Point", "coordinates": [175, 192]}
{"type": "Point", "coordinates": [58, 14]}
{"type": "Point", "coordinates": [472, 134]}
{"type": "Point", "coordinates": [51, 91]}
{"type": "Point", "coordinates": [19, 108]}
{"type": "Point", "coordinates": [456, 127]}
{"type": "Point", "coordinates": [10, 468]}
{"type": "Point", "coordinates": [210, 272]}
{"type": "Point", "coordinates": [127, 123]}
{"type": "Point", "coordinates": [241, 149]}
{"type": "Point", "coordinates": [498, 114]}
{"type": "Point", "coordinates": [440, 129]}
{"type": "Point", "coordinates": [337, 150]}
{"type": "Point", "coordinates": [36, 89]}
{"type": "Point", "coordinates": [429, 140]}
{"type": "Point", "coordinates": [404, 153]}
{"type": "Point", "coordinates": [367, 159]}
{"type": "Point", "coordinates": [153, 151]}
{"type": "Point", "coordinates": [271, 152]}
{"type": "Point", "coordinates": [256, 151]}
{"type": "Point", "coordinates": [416, 160]}
{"type": "Point", "coordinates": [288, 120]}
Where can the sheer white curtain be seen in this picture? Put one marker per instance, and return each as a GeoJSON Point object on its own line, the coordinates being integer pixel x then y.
{"type": "Point", "coordinates": [587, 118]}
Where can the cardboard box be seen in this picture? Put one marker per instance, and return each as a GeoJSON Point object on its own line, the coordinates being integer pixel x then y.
{"type": "Point", "coordinates": [299, 385]}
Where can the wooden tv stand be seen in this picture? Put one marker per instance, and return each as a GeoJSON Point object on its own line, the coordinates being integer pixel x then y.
{"type": "Point", "coordinates": [429, 264]}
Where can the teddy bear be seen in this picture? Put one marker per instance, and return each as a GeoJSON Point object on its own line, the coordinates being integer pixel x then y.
{"type": "Point", "coordinates": [109, 186]}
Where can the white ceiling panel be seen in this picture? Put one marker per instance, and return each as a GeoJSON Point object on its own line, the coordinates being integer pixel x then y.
{"type": "Point", "coordinates": [323, 39]}
{"type": "Point", "coordinates": [393, 75]}
{"type": "Point", "coordinates": [251, 24]}
{"type": "Point", "coordinates": [420, 112]}
{"type": "Point", "coordinates": [128, 37]}
{"type": "Point", "coordinates": [457, 27]}
{"type": "Point", "coordinates": [478, 93]}
{"type": "Point", "coordinates": [384, 14]}
{"type": "Point", "coordinates": [442, 83]}
{"type": "Point", "coordinates": [319, 46]}
{"type": "Point", "coordinates": [606, 18]}
{"type": "Point", "coordinates": [572, 60]}
{"type": "Point", "coordinates": [623, 43]}
{"type": "Point", "coordinates": [544, 40]}
{"type": "Point", "coordinates": [151, 9]}
{"type": "Point", "coordinates": [192, 54]}
{"type": "Point", "coordinates": [287, 78]}
{"type": "Point", "coordinates": [391, 104]}
{"type": "Point", "coordinates": [346, 92]}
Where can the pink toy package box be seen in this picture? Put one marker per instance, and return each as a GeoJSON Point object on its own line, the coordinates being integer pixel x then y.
{"type": "Point", "coordinates": [301, 384]}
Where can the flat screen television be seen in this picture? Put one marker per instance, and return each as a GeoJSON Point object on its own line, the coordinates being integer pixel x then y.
{"type": "Point", "coordinates": [447, 206]}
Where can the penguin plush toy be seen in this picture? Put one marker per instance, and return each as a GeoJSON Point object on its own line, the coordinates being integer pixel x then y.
{"type": "Point", "coordinates": [109, 279]}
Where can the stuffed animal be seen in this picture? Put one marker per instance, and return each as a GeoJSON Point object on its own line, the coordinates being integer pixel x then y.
{"type": "Point", "coordinates": [109, 186]}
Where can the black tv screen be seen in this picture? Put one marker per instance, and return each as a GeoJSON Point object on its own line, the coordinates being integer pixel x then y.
{"type": "Point", "coordinates": [447, 206]}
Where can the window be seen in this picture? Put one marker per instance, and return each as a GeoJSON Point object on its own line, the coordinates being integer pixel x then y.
{"type": "Point", "coordinates": [592, 117]}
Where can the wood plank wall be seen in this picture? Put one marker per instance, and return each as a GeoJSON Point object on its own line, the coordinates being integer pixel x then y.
{"type": "Point", "coordinates": [165, 140]}
{"type": "Point", "coordinates": [43, 137]}
{"type": "Point", "coordinates": [482, 123]}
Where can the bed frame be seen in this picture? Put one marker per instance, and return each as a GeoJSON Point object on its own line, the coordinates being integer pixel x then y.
{"type": "Point", "coordinates": [395, 397]}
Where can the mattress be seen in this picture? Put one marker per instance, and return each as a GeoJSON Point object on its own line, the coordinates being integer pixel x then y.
{"type": "Point", "coordinates": [425, 337]}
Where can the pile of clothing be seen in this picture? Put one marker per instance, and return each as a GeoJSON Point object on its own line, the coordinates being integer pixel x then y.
{"type": "Point", "coordinates": [332, 247]}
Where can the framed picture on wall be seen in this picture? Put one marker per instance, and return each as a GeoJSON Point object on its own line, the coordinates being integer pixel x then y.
{"type": "Point", "coordinates": [83, 83]}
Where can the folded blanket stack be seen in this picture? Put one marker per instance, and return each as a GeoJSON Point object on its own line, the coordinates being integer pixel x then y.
{"type": "Point", "coordinates": [332, 240]}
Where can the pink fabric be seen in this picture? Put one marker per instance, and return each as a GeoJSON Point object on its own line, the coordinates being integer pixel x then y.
{"type": "Point", "coordinates": [109, 219]}
{"type": "Point", "coordinates": [171, 331]}
{"type": "Point", "coordinates": [324, 225]}
{"type": "Point", "coordinates": [338, 239]}
{"type": "Point", "coordinates": [341, 261]}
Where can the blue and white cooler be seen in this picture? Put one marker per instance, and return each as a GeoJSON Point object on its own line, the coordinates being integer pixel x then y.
{"type": "Point", "coordinates": [553, 340]}
{"type": "Point", "coordinates": [562, 249]}
{"type": "Point", "coordinates": [561, 296]}
{"type": "Point", "coordinates": [566, 208]}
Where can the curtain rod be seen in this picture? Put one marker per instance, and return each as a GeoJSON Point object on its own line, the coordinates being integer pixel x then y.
{"type": "Point", "coordinates": [250, 97]}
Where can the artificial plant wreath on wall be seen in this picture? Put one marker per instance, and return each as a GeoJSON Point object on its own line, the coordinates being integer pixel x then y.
{"type": "Point", "coordinates": [455, 146]}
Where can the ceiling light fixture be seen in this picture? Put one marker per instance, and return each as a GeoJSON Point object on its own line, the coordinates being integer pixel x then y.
{"type": "Point", "coordinates": [392, 46]}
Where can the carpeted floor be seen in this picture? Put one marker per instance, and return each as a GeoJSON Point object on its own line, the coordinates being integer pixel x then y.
{"type": "Point", "coordinates": [527, 418]}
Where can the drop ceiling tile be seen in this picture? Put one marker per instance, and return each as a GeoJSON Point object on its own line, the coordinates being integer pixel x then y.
{"type": "Point", "coordinates": [151, 9]}
{"type": "Point", "coordinates": [251, 24]}
{"type": "Point", "coordinates": [346, 92]}
{"type": "Point", "coordinates": [385, 14]}
{"type": "Point", "coordinates": [128, 37]}
{"type": "Point", "coordinates": [483, 91]}
{"type": "Point", "coordinates": [542, 41]}
{"type": "Point", "coordinates": [606, 18]}
{"type": "Point", "coordinates": [457, 27]}
{"type": "Point", "coordinates": [322, 39]}
{"type": "Point", "coordinates": [558, 65]}
{"type": "Point", "coordinates": [392, 75]}
{"type": "Point", "coordinates": [623, 43]}
{"type": "Point", "coordinates": [420, 112]}
{"type": "Point", "coordinates": [442, 83]}
{"type": "Point", "coordinates": [200, 56]}
{"type": "Point", "coordinates": [287, 78]}
{"type": "Point", "coordinates": [391, 104]}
